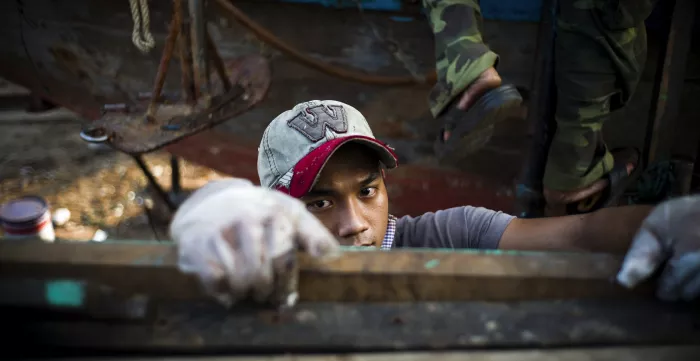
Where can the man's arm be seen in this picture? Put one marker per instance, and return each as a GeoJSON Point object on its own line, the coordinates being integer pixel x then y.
{"type": "Point", "coordinates": [232, 268]}
{"type": "Point", "coordinates": [607, 230]}
{"type": "Point", "coordinates": [459, 227]}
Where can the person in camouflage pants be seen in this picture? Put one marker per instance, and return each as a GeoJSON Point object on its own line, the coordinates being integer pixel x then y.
{"type": "Point", "coordinates": [600, 51]}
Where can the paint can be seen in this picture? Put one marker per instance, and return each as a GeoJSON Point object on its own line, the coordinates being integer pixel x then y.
{"type": "Point", "coordinates": [27, 218]}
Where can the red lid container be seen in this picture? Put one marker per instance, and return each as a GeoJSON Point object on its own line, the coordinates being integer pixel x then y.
{"type": "Point", "coordinates": [25, 215]}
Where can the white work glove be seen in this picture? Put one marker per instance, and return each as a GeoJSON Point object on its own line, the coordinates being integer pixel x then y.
{"type": "Point", "coordinates": [240, 240]}
{"type": "Point", "coordinates": [671, 234]}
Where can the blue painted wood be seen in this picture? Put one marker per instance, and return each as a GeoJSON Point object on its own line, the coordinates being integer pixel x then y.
{"type": "Point", "coordinates": [65, 293]}
{"type": "Point", "coordinates": [505, 10]}
{"type": "Point", "coordinates": [511, 10]}
{"type": "Point", "coordinates": [385, 5]}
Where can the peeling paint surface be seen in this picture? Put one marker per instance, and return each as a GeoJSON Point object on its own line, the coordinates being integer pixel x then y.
{"type": "Point", "coordinates": [364, 52]}
{"type": "Point", "coordinates": [65, 293]}
{"type": "Point", "coordinates": [432, 264]}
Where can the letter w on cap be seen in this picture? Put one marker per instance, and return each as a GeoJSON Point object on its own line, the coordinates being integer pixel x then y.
{"type": "Point", "coordinates": [313, 125]}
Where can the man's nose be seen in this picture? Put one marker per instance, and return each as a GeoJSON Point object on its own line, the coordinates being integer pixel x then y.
{"type": "Point", "coordinates": [352, 223]}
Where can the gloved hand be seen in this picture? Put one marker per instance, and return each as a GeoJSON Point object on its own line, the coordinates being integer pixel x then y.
{"type": "Point", "coordinates": [240, 240]}
{"type": "Point", "coordinates": [670, 233]}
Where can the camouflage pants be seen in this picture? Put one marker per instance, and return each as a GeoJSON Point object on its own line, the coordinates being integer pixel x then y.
{"type": "Point", "coordinates": [600, 50]}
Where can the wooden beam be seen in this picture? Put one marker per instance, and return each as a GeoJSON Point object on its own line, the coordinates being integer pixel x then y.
{"type": "Point", "coordinates": [74, 298]}
{"type": "Point", "coordinates": [677, 353]}
{"type": "Point", "coordinates": [201, 327]}
{"type": "Point", "coordinates": [378, 276]}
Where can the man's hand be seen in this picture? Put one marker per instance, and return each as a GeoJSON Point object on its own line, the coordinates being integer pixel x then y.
{"type": "Point", "coordinates": [670, 234]}
{"type": "Point", "coordinates": [240, 241]}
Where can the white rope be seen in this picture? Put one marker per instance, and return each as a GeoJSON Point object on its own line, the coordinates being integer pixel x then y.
{"type": "Point", "coordinates": [141, 36]}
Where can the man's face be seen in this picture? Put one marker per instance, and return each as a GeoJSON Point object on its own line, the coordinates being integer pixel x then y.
{"type": "Point", "coordinates": [350, 197]}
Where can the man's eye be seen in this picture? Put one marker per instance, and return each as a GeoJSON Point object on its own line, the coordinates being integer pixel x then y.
{"type": "Point", "coordinates": [368, 192]}
{"type": "Point", "coordinates": [316, 205]}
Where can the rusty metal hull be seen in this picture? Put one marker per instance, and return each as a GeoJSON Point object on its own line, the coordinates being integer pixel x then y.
{"type": "Point", "coordinates": [79, 54]}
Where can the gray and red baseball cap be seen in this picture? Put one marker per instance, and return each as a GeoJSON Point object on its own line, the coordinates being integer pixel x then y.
{"type": "Point", "coordinates": [299, 142]}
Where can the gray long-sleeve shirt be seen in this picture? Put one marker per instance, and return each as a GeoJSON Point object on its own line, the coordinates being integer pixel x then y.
{"type": "Point", "coordinates": [459, 227]}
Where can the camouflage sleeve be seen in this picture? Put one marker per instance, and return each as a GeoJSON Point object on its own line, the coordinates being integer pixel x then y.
{"type": "Point", "coordinates": [600, 53]}
{"type": "Point", "coordinates": [460, 53]}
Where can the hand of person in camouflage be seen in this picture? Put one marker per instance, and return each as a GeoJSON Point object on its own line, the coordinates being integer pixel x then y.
{"type": "Point", "coordinates": [240, 240]}
{"type": "Point", "coordinates": [669, 237]}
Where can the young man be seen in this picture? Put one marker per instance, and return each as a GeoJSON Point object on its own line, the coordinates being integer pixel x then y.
{"type": "Point", "coordinates": [322, 176]}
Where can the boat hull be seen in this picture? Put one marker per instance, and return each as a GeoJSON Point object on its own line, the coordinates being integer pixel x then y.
{"type": "Point", "coordinates": [79, 54]}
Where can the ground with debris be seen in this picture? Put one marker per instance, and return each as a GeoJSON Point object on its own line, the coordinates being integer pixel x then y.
{"type": "Point", "coordinates": [43, 154]}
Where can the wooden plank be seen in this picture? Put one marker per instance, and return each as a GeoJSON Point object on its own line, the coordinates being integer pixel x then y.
{"type": "Point", "coordinates": [73, 298]}
{"type": "Point", "coordinates": [185, 327]}
{"type": "Point", "coordinates": [683, 353]}
{"type": "Point", "coordinates": [378, 276]}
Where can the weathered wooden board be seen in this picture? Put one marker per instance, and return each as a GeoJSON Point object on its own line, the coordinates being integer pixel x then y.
{"type": "Point", "coordinates": [70, 297]}
{"type": "Point", "coordinates": [681, 353]}
{"type": "Point", "coordinates": [342, 327]}
{"type": "Point", "coordinates": [377, 276]}
{"type": "Point", "coordinates": [525, 284]}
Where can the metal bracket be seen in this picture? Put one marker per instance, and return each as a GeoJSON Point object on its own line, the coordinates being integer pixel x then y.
{"type": "Point", "coordinates": [147, 124]}
{"type": "Point", "coordinates": [169, 199]}
{"type": "Point", "coordinates": [129, 129]}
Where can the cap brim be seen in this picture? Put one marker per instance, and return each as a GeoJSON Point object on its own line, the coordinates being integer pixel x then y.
{"type": "Point", "coordinates": [307, 170]}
